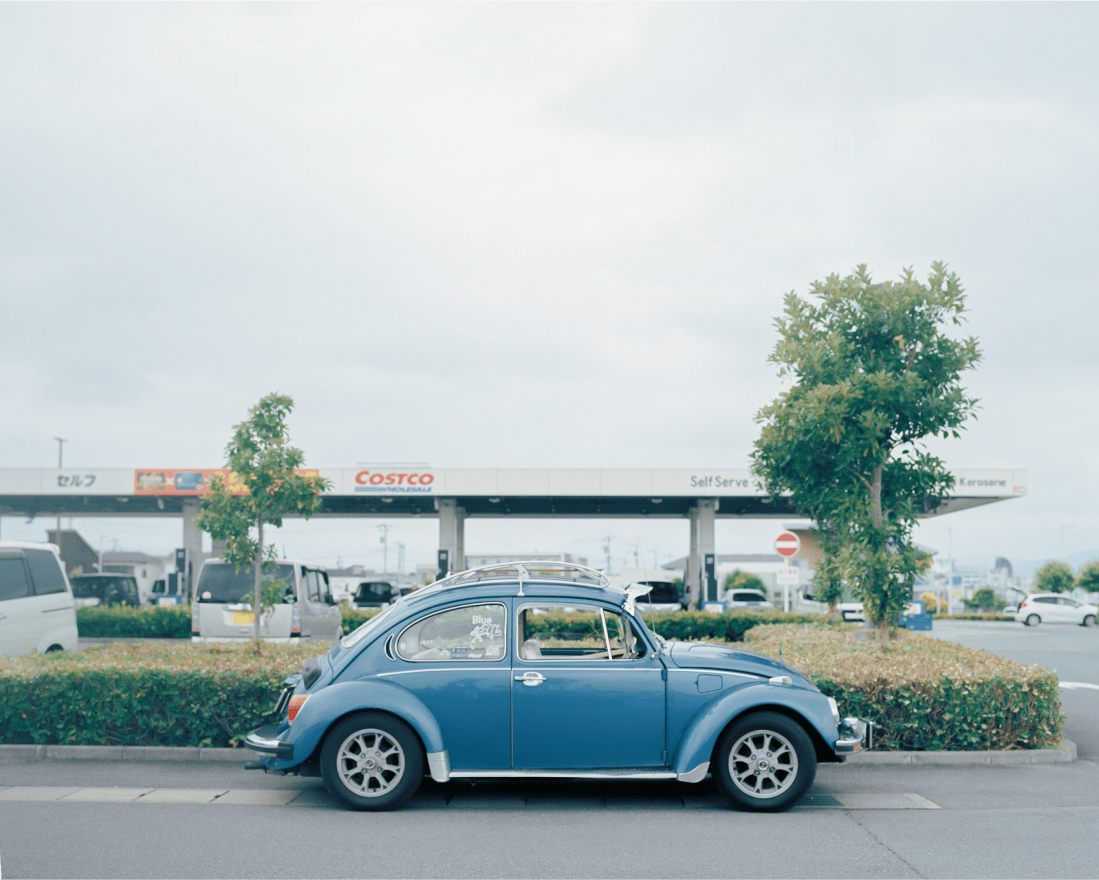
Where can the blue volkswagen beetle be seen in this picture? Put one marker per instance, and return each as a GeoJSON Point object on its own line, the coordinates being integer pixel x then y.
{"type": "Point", "coordinates": [536, 670]}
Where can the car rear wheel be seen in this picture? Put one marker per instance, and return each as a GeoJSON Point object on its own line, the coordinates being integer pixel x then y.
{"type": "Point", "coordinates": [764, 762]}
{"type": "Point", "coordinates": [1089, 620]}
{"type": "Point", "coordinates": [1033, 620]}
{"type": "Point", "coordinates": [372, 761]}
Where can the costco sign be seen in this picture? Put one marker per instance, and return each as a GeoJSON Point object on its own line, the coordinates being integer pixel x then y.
{"type": "Point", "coordinates": [389, 482]}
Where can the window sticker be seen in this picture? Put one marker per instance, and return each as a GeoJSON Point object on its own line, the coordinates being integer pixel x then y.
{"type": "Point", "coordinates": [475, 632]}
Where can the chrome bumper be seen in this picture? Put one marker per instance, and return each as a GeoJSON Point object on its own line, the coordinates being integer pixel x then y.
{"type": "Point", "coordinates": [265, 741]}
{"type": "Point", "coordinates": [856, 735]}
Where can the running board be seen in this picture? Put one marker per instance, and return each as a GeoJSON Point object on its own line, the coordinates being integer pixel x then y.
{"type": "Point", "coordinates": [613, 773]}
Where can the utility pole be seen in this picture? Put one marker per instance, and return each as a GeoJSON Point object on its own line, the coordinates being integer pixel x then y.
{"type": "Point", "coordinates": [384, 529]}
{"type": "Point", "coordinates": [400, 557]}
{"type": "Point", "coordinates": [60, 447]}
{"type": "Point", "coordinates": [607, 551]}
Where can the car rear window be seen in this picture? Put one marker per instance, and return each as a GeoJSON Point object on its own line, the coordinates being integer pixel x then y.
{"type": "Point", "coordinates": [662, 593]}
{"type": "Point", "coordinates": [747, 597]}
{"type": "Point", "coordinates": [227, 583]}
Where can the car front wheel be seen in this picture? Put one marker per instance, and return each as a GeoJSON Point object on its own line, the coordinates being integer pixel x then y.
{"type": "Point", "coordinates": [1033, 620]}
{"type": "Point", "coordinates": [1089, 620]}
{"type": "Point", "coordinates": [372, 761]}
{"type": "Point", "coordinates": [764, 762]}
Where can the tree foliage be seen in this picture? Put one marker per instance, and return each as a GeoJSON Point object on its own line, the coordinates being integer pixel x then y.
{"type": "Point", "coordinates": [743, 580]}
{"type": "Point", "coordinates": [1054, 577]}
{"type": "Point", "coordinates": [263, 464]}
{"type": "Point", "coordinates": [1088, 578]}
{"type": "Point", "coordinates": [874, 375]}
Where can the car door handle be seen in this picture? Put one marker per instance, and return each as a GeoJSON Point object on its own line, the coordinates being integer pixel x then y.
{"type": "Point", "coordinates": [531, 679]}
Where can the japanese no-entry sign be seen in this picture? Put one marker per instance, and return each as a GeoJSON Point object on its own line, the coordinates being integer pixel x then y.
{"type": "Point", "coordinates": [787, 544]}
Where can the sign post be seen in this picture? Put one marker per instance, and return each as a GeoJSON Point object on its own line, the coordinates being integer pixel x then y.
{"type": "Point", "coordinates": [787, 544]}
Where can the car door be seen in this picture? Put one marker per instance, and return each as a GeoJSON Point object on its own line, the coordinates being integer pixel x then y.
{"type": "Point", "coordinates": [586, 693]}
{"type": "Point", "coordinates": [455, 662]}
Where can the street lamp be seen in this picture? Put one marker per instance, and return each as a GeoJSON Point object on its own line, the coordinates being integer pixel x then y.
{"type": "Point", "coordinates": [60, 447]}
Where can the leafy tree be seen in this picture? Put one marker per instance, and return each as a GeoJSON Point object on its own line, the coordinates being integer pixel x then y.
{"type": "Point", "coordinates": [1054, 577]}
{"type": "Point", "coordinates": [985, 598]}
{"type": "Point", "coordinates": [1088, 579]}
{"type": "Point", "coordinates": [874, 376]}
{"type": "Point", "coordinates": [742, 580]}
{"type": "Point", "coordinates": [930, 602]}
{"type": "Point", "coordinates": [828, 574]}
{"type": "Point", "coordinates": [263, 464]}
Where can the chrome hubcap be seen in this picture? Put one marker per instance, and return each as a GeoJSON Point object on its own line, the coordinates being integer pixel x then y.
{"type": "Point", "coordinates": [763, 764]}
{"type": "Point", "coordinates": [370, 763]}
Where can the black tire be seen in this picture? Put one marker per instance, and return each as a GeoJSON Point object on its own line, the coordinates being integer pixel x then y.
{"type": "Point", "coordinates": [1089, 620]}
{"type": "Point", "coordinates": [764, 762]}
{"type": "Point", "coordinates": [1032, 620]}
{"type": "Point", "coordinates": [372, 761]}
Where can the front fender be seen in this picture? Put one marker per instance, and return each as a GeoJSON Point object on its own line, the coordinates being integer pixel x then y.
{"type": "Point", "coordinates": [325, 707]}
{"type": "Point", "coordinates": [697, 743]}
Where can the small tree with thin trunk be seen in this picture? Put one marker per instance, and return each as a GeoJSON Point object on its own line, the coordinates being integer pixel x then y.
{"type": "Point", "coordinates": [874, 376]}
{"type": "Point", "coordinates": [1088, 579]}
{"type": "Point", "coordinates": [263, 464]}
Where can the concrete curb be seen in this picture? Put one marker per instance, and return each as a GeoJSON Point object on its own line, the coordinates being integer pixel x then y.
{"type": "Point", "coordinates": [1014, 757]}
{"type": "Point", "coordinates": [127, 753]}
{"type": "Point", "coordinates": [229, 756]}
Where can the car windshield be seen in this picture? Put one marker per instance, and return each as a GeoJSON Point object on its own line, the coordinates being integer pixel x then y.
{"type": "Point", "coordinates": [374, 592]}
{"type": "Point", "coordinates": [227, 583]}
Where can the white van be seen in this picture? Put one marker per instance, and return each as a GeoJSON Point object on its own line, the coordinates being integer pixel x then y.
{"type": "Point", "coordinates": [37, 610]}
{"type": "Point", "coordinates": [222, 608]}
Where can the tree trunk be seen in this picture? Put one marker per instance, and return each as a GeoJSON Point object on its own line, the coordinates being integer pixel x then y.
{"type": "Point", "coordinates": [877, 519]}
{"type": "Point", "coordinates": [258, 566]}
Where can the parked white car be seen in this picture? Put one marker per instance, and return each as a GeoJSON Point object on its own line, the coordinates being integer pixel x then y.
{"type": "Point", "coordinates": [1055, 608]}
{"type": "Point", "coordinates": [37, 610]}
{"type": "Point", "coordinates": [745, 599]}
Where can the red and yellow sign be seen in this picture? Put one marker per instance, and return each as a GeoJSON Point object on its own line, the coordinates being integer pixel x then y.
{"type": "Point", "coordinates": [191, 482]}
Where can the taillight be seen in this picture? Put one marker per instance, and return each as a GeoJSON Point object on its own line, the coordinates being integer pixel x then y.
{"type": "Point", "coordinates": [194, 617]}
{"type": "Point", "coordinates": [295, 706]}
{"type": "Point", "coordinates": [295, 622]}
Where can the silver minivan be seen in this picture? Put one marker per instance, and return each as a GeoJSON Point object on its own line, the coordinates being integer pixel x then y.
{"type": "Point", "coordinates": [222, 608]}
{"type": "Point", "coordinates": [37, 610]}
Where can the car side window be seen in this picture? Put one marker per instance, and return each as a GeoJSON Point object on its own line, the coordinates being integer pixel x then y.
{"type": "Point", "coordinates": [45, 572]}
{"type": "Point", "coordinates": [313, 585]}
{"type": "Point", "coordinates": [556, 631]}
{"type": "Point", "coordinates": [473, 632]}
{"type": "Point", "coordinates": [14, 582]}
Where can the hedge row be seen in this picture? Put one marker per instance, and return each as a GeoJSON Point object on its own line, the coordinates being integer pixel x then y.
{"type": "Point", "coordinates": [174, 622]}
{"type": "Point", "coordinates": [143, 694]}
{"type": "Point", "coordinates": [128, 622]}
{"type": "Point", "coordinates": [924, 694]}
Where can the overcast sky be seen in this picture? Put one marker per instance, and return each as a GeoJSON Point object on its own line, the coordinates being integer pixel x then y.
{"type": "Point", "coordinates": [534, 235]}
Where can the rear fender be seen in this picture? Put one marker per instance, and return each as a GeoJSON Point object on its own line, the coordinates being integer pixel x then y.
{"type": "Point", "coordinates": [810, 709]}
{"type": "Point", "coordinates": [328, 705]}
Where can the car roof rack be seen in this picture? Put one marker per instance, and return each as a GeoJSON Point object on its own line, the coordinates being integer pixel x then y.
{"type": "Point", "coordinates": [525, 571]}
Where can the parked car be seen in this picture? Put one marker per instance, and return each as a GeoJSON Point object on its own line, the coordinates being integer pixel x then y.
{"type": "Point", "coordinates": [850, 611]}
{"type": "Point", "coordinates": [105, 589]}
{"type": "Point", "coordinates": [745, 599]}
{"type": "Point", "coordinates": [664, 596]}
{"type": "Point", "coordinates": [373, 594]}
{"type": "Point", "coordinates": [465, 679]}
{"type": "Point", "coordinates": [222, 610]}
{"type": "Point", "coordinates": [37, 610]}
{"type": "Point", "coordinates": [1055, 608]}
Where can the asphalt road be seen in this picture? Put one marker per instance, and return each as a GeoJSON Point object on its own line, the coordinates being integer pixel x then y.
{"type": "Point", "coordinates": [135, 819]}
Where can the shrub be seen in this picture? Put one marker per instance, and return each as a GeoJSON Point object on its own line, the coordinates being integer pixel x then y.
{"type": "Point", "coordinates": [693, 626]}
{"type": "Point", "coordinates": [125, 621]}
{"type": "Point", "coordinates": [930, 602]}
{"type": "Point", "coordinates": [353, 618]}
{"type": "Point", "coordinates": [924, 694]}
{"type": "Point", "coordinates": [143, 694]}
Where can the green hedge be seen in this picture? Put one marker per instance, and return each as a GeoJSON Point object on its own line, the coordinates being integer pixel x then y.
{"type": "Point", "coordinates": [120, 621]}
{"type": "Point", "coordinates": [125, 621]}
{"type": "Point", "coordinates": [922, 693]}
{"type": "Point", "coordinates": [143, 694]}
